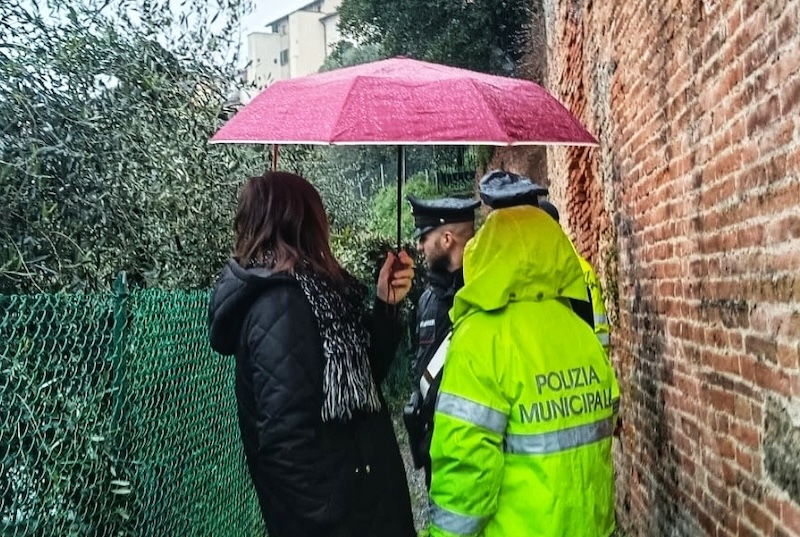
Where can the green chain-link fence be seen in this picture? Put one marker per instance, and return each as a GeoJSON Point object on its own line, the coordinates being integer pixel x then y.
{"type": "Point", "coordinates": [117, 419]}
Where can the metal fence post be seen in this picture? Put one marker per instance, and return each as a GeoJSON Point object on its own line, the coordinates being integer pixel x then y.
{"type": "Point", "coordinates": [120, 333]}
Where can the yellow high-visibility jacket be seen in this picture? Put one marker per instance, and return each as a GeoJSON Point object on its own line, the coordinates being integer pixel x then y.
{"type": "Point", "coordinates": [601, 327]}
{"type": "Point", "coordinates": [525, 415]}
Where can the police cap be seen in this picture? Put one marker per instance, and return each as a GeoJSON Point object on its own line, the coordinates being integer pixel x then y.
{"type": "Point", "coordinates": [430, 214]}
{"type": "Point", "coordinates": [499, 189]}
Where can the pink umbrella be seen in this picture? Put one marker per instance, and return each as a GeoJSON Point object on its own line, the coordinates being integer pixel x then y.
{"type": "Point", "coordinates": [401, 102]}
{"type": "Point", "coordinates": [404, 102]}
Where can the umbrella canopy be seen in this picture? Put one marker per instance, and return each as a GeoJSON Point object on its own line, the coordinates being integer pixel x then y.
{"type": "Point", "coordinates": [400, 101]}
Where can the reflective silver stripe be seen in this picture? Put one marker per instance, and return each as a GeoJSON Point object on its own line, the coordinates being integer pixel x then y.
{"type": "Point", "coordinates": [556, 441]}
{"type": "Point", "coordinates": [434, 366]}
{"type": "Point", "coordinates": [455, 523]}
{"type": "Point", "coordinates": [600, 318]}
{"type": "Point", "coordinates": [475, 413]}
{"type": "Point", "coordinates": [603, 339]}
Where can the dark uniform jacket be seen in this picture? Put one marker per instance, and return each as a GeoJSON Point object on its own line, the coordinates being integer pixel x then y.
{"type": "Point", "coordinates": [433, 324]}
{"type": "Point", "coordinates": [312, 478]}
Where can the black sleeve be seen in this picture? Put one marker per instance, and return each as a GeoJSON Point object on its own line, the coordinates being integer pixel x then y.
{"type": "Point", "coordinates": [384, 335]}
{"type": "Point", "coordinates": [584, 310]}
{"type": "Point", "coordinates": [414, 332]}
{"type": "Point", "coordinates": [287, 386]}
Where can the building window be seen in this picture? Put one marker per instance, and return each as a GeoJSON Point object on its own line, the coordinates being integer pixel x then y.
{"type": "Point", "coordinates": [285, 56]}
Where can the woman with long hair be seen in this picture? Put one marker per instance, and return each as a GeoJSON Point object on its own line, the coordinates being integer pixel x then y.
{"type": "Point", "coordinates": [317, 435]}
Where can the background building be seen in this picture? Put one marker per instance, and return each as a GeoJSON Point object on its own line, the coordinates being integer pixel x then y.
{"type": "Point", "coordinates": [293, 45]}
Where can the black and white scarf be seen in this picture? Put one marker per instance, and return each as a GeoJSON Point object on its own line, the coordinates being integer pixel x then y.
{"type": "Point", "coordinates": [348, 384]}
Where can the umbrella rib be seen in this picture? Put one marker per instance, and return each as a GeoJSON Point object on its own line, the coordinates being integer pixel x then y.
{"type": "Point", "coordinates": [343, 108]}
{"type": "Point", "coordinates": [494, 116]}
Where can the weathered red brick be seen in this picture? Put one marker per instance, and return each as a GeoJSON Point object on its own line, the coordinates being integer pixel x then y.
{"type": "Point", "coordinates": [787, 29]}
{"type": "Point", "coordinates": [735, 341]}
{"type": "Point", "coordinates": [773, 506]}
{"type": "Point", "coordinates": [790, 96]}
{"type": "Point", "coordinates": [761, 348]}
{"type": "Point", "coordinates": [745, 460]}
{"type": "Point", "coordinates": [730, 474]}
{"type": "Point", "coordinates": [789, 352]}
{"type": "Point", "coordinates": [763, 115]}
{"type": "Point", "coordinates": [784, 229]}
{"type": "Point", "coordinates": [790, 516]}
{"type": "Point", "coordinates": [746, 434]}
{"type": "Point", "coordinates": [758, 517]}
{"type": "Point", "coordinates": [762, 52]}
{"type": "Point", "coordinates": [755, 411]}
{"type": "Point", "coordinates": [721, 400]}
{"type": "Point", "coordinates": [721, 361]}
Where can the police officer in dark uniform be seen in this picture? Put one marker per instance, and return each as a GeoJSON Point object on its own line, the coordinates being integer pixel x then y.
{"type": "Point", "coordinates": [443, 227]}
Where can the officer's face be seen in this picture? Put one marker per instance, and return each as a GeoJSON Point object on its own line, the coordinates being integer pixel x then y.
{"type": "Point", "coordinates": [429, 245]}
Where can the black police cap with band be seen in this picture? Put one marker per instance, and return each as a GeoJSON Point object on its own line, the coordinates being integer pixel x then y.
{"type": "Point", "coordinates": [430, 214]}
{"type": "Point", "coordinates": [499, 189]}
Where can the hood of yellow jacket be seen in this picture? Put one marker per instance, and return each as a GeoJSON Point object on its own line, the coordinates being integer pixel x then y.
{"type": "Point", "coordinates": [519, 254]}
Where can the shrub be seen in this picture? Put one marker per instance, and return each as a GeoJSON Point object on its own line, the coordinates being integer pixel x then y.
{"type": "Point", "coordinates": [383, 211]}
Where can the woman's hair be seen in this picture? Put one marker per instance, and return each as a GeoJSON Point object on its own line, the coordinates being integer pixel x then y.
{"type": "Point", "coordinates": [281, 217]}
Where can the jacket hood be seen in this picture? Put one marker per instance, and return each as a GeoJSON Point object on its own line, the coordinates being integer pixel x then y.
{"type": "Point", "coordinates": [236, 290]}
{"type": "Point", "coordinates": [519, 254]}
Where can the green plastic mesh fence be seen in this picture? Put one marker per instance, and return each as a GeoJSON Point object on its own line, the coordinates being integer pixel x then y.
{"type": "Point", "coordinates": [117, 419]}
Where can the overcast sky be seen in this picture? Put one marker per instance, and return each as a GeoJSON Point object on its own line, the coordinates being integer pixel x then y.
{"type": "Point", "coordinates": [264, 11]}
{"type": "Point", "coordinates": [267, 11]}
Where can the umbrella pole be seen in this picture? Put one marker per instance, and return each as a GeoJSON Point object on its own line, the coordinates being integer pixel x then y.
{"type": "Point", "coordinates": [274, 157]}
{"type": "Point", "coordinates": [401, 179]}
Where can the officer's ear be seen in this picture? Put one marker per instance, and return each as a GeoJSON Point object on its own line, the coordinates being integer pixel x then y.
{"type": "Point", "coordinates": [447, 239]}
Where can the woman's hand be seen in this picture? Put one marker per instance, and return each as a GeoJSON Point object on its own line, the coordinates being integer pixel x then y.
{"type": "Point", "coordinates": [395, 283]}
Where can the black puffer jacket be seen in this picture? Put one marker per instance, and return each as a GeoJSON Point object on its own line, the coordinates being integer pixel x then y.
{"type": "Point", "coordinates": [312, 478]}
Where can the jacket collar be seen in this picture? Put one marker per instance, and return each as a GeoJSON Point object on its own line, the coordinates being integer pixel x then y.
{"type": "Point", "coordinates": [446, 283]}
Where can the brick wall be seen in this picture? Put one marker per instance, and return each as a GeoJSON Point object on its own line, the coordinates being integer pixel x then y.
{"type": "Point", "coordinates": [690, 211]}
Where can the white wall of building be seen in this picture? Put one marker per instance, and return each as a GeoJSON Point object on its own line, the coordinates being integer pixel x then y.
{"type": "Point", "coordinates": [306, 43]}
{"type": "Point", "coordinates": [296, 44]}
{"type": "Point", "coordinates": [330, 25]}
{"type": "Point", "coordinates": [263, 50]}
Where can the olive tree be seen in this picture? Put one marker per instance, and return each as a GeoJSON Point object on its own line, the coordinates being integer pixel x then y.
{"type": "Point", "coordinates": [106, 108]}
